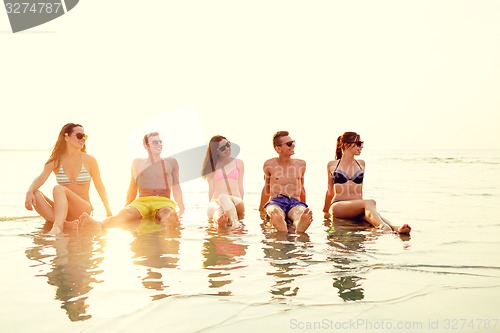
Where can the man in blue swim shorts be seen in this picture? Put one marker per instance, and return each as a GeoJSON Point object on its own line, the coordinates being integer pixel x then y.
{"type": "Point", "coordinates": [154, 179]}
{"type": "Point", "coordinates": [283, 196]}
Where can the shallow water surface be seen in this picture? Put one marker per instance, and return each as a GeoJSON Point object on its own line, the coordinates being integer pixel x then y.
{"type": "Point", "coordinates": [197, 278]}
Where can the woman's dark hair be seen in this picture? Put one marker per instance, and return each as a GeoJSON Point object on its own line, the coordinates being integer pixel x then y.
{"type": "Point", "coordinates": [344, 140]}
{"type": "Point", "coordinates": [211, 158]}
{"type": "Point", "coordinates": [60, 146]}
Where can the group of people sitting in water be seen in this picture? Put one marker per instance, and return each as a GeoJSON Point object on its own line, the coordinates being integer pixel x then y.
{"type": "Point", "coordinates": [154, 180]}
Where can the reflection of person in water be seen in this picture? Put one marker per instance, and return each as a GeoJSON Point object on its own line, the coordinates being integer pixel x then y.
{"type": "Point", "coordinates": [222, 252]}
{"type": "Point", "coordinates": [156, 249]}
{"type": "Point", "coordinates": [73, 269]}
{"type": "Point", "coordinates": [283, 250]}
{"type": "Point", "coordinates": [346, 242]}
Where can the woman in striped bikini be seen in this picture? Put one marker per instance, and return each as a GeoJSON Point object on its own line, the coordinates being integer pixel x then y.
{"type": "Point", "coordinates": [224, 175]}
{"type": "Point", "coordinates": [74, 169]}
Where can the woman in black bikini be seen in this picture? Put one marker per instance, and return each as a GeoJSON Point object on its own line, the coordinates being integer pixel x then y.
{"type": "Point", "coordinates": [344, 197]}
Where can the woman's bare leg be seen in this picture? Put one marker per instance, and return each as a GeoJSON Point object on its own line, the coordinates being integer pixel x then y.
{"type": "Point", "coordinates": [68, 206]}
{"type": "Point", "coordinates": [365, 208]}
{"type": "Point", "coordinates": [216, 214]}
{"type": "Point", "coordinates": [228, 207]}
{"type": "Point", "coordinates": [404, 229]}
{"type": "Point", "coordinates": [44, 206]}
{"type": "Point", "coordinates": [240, 210]}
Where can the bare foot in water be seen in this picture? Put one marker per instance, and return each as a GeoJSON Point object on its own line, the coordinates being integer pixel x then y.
{"type": "Point", "coordinates": [277, 221]}
{"type": "Point", "coordinates": [223, 220]}
{"type": "Point", "coordinates": [55, 231]}
{"type": "Point", "coordinates": [72, 225]}
{"type": "Point", "coordinates": [404, 229]}
{"type": "Point", "coordinates": [86, 221]}
{"type": "Point", "coordinates": [304, 221]}
{"type": "Point", "coordinates": [172, 220]}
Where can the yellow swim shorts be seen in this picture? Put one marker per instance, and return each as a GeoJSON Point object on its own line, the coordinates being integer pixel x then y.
{"type": "Point", "coordinates": [148, 206]}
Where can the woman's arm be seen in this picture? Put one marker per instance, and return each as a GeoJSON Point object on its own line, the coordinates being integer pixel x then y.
{"type": "Point", "coordinates": [30, 200]}
{"type": "Point", "coordinates": [210, 181]}
{"type": "Point", "coordinates": [330, 193]}
{"type": "Point", "coordinates": [241, 169]}
{"type": "Point", "coordinates": [95, 173]}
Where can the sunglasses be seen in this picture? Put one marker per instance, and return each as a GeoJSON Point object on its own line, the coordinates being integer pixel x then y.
{"type": "Point", "coordinates": [156, 142]}
{"type": "Point", "coordinates": [357, 143]}
{"type": "Point", "coordinates": [289, 143]}
{"type": "Point", "coordinates": [227, 145]}
{"type": "Point", "coordinates": [80, 136]}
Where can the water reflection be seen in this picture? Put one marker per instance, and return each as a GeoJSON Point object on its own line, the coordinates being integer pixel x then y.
{"type": "Point", "coordinates": [223, 252]}
{"type": "Point", "coordinates": [286, 254]}
{"type": "Point", "coordinates": [73, 264]}
{"type": "Point", "coordinates": [346, 239]}
{"type": "Point", "coordinates": [157, 249]}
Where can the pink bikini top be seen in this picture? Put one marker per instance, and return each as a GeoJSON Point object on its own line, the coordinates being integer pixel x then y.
{"type": "Point", "coordinates": [233, 174]}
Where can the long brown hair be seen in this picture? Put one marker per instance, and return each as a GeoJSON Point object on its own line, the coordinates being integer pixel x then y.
{"type": "Point", "coordinates": [211, 157]}
{"type": "Point", "coordinates": [344, 140]}
{"type": "Point", "coordinates": [60, 146]}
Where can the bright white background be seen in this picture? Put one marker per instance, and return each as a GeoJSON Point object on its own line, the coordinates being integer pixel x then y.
{"type": "Point", "coordinates": [404, 74]}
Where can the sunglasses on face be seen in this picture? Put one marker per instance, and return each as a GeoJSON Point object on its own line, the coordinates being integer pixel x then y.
{"type": "Point", "coordinates": [357, 143]}
{"type": "Point", "coordinates": [156, 142]}
{"type": "Point", "coordinates": [227, 145]}
{"type": "Point", "coordinates": [288, 143]}
{"type": "Point", "coordinates": [80, 136]}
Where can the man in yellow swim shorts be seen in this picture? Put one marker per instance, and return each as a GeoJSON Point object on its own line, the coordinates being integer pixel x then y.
{"type": "Point", "coordinates": [154, 179]}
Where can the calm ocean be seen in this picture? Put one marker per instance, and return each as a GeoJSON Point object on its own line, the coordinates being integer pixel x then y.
{"type": "Point", "coordinates": [338, 277]}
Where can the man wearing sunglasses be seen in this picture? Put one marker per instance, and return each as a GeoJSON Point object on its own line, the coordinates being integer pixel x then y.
{"type": "Point", "coordinates": [283, 196]}
{"type": "Point", "coordinates": [154, 179]}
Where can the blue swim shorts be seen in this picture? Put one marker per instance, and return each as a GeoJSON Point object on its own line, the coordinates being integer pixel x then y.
{"type": "Point", "coordinates": [285, 203]}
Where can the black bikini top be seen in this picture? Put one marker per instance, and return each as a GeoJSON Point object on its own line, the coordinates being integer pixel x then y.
{"type": "Point", "coordinates": [341, 177]}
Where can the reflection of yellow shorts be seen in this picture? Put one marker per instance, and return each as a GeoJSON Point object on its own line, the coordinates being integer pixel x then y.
{"type": "Point", "coordinates": [148, 206]}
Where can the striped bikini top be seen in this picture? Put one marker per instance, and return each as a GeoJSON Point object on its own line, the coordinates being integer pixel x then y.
{"type": "Point", "coordinates": [82, 178]}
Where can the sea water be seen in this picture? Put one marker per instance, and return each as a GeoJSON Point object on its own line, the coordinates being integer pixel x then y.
{"type": "Point", "coordinates": [338, 276]}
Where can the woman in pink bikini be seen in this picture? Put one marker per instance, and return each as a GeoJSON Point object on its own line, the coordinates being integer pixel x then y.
{"type": "Point", "coordinates": [74, 169]}
{"type": "Point", "coordinates": [344, 197]}
{"type": "Point", "coordinates": [224, 175]}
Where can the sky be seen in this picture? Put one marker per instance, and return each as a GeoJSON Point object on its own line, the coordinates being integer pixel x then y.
{"type": "Point", "coordinates": [403, 74]}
